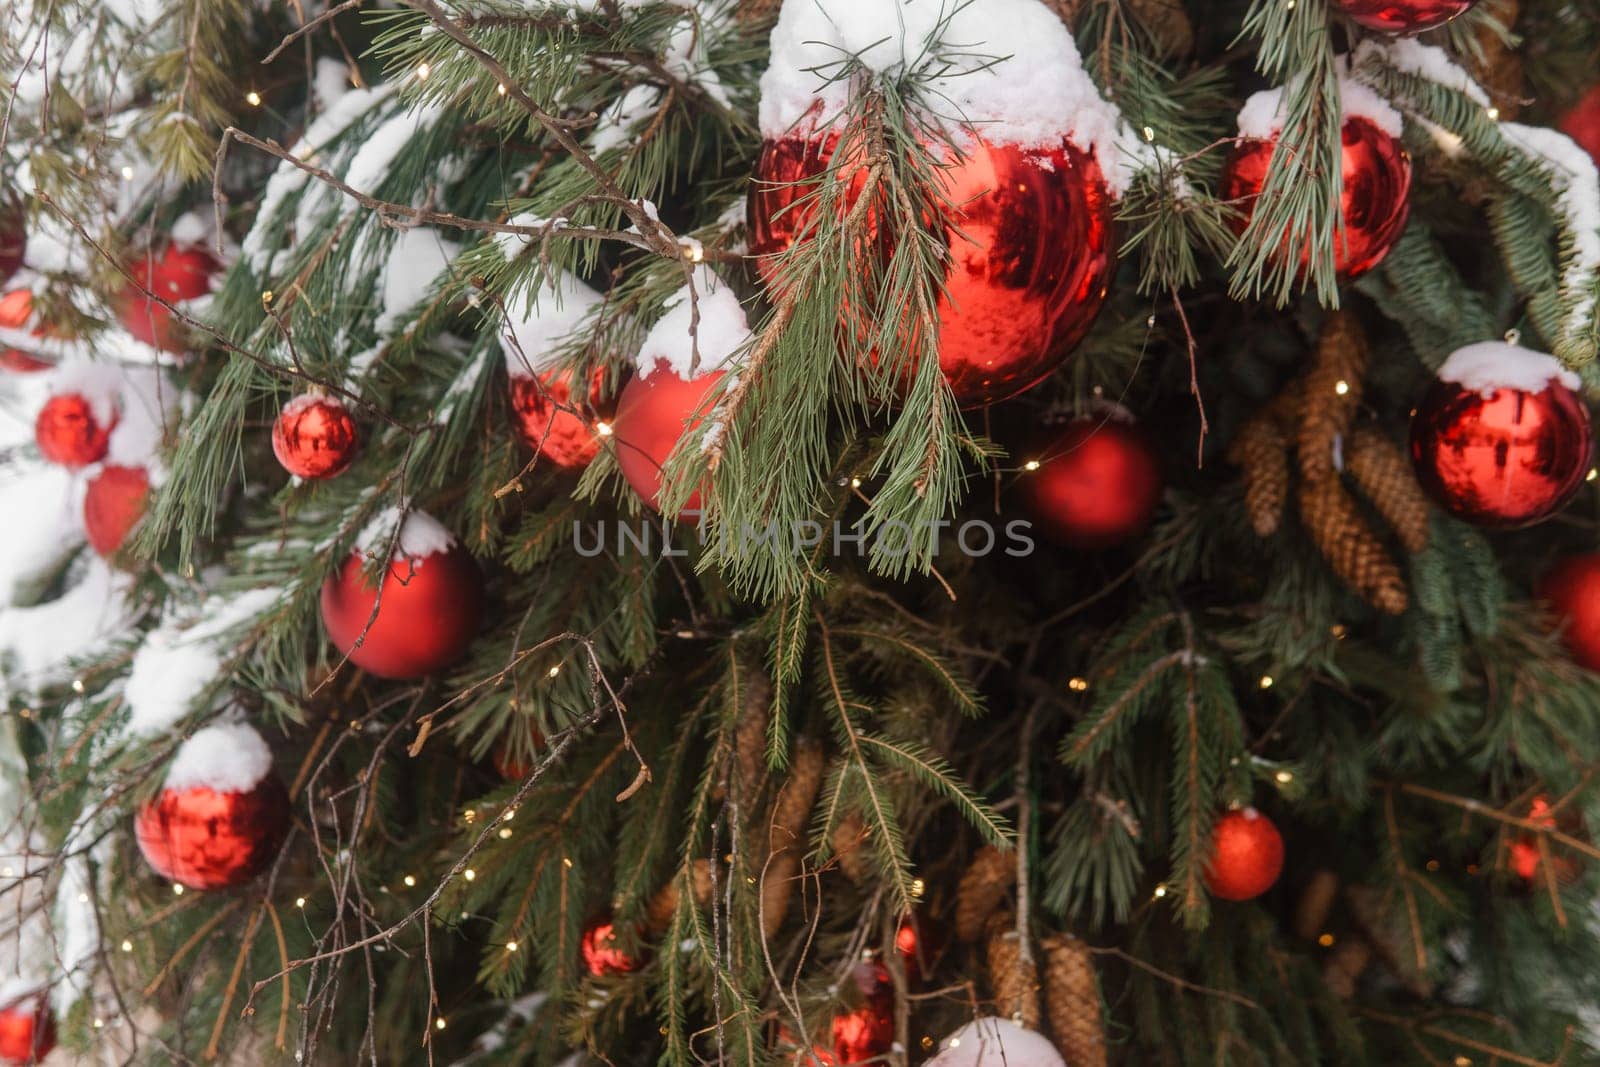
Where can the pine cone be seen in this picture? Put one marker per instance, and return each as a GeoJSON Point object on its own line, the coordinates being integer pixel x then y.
{"type": "Point", "coordinates": [1384, 475]}
{"type": "Point", "coordinates": [786, 835]}
{"type": "Point", "coordinates": [1315, 903]}
{"type": "Point", "coordinates": [1263, 453]}
{"type": "Point", "coordinates": [658, 915]}
{"type": "Point", "coordinates": [850, 845]}
{"type": "Point", "coordinates": [1349, 545]}
{"type": "Point", "coordinates": [1015, 980]}
{"type": "Point", "coordinates": [750, 736]}
{"type": "Point", "coordinates": [1325, 412]}
{"type": "Point", "coordinates": [1345, 966]}
{"type": "Point", "coordinates": [1389, 932]}
{"type": "Point", "coordinates": [1072, 997]}
{"type": "Point", "coordinates": [1167, 23]}
{"type": "Point", "coordinates": [982, 887]}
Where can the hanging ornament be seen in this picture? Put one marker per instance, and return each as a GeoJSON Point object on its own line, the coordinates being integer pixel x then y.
{"type": "Point", "coordinates": [1402, 16]}
{"type": "Point", "coordinates": [602, 955]}
{"type": "Point", "coordinates": [13, 239]}
{"type": "Point", "coordinates": [176, 273]}
{"type": "Point", "coordinates": [670, 393]}
{"type": "Point", "coordinates": [27, 1030]}
{"type": "Point", "coordinates": [222, 815]}
{"type": "Point", "coordinates": [16, 309]}
{"type": "Point", "coordinates": [1097, 483]}
{"type": "Point", "coordinates": [428, 612]}
{"type": "Point", "coordinates": [1246, 855]}
{"type": "Point", "coordinates": [113, 503]}
{"type": "Point", "coordinates": [1376, 195]}
{"type": "Point", "coordinates": [994, 1042]}
{"type": "Point", "coordinates": [920, 941]}
{"type": "Point", "coordinates": [72, 431]}
{"type": "Point", "coordinates": [1502, 439]}
{"type": "Point", "coordinates": [1582, 123]}
{"type": "Point", "coordinates": [1528, 852]}
{"type": "Point", "coordinates": [1572, 590]}
{"type": "Point", "coordinates": [866, 1030]}
{"type": "Point", "coordinates": [314, 436]}
{"type": "Point", "coordinates": [558, 422]}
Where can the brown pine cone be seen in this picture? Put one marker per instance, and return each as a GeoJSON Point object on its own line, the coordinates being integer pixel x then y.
{"type": "Point", "coordinates": [1340, 362]}
{"type": "Point", "coordinates": [982, 887]}
{"type": "Point", "coordinates": [1316, 901]}
{"type": "Point", "coordinates": [1072, 998]}
{"type": "Point", "coordinates": [1345, 966]}
{"type": "Point", "coordinates": [1167, 23]}
{"type": "Point", "coordinates": [850, 846]}
{"type": "Point", "coordinates": [1386, 925]}
{"type": "Point", "coordinates": [1383, 473]}
{"type": "Point", "coordinates": [662, 906]}
{"type": "Point", "coordinates": [786, 834]}
{"type": "Point", "coordinates": [1349, 545]}
{"type": "Point", "coordinates": [750, 736]}
{"type": "Point", "coordinates": [1015, 980]}
{"type": "Point", "coordinates": [1262, 451]}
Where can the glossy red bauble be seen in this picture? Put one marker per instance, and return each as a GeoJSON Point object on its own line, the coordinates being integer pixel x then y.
{"type": "Point", "coordinates": [315, 437]}
{"type": "Point", "coordinates": [1031, 246]}
{"type": "Point", "coordinates": [27, 1031]}
{"type": "Point", "coordinates": [653, 412]}
{"type": "Point", "coordinates": [175, 273]}
{"type": "Point", "coordinates": [13, 240]}
{"type": "Point", "coordinates": [601, 954]}
{"type": "Point", "coordinates": [920, 942]}
{"type": "Point", "coordinates": [1246, 855]}
{"type": "Point", "coordinates": [1097, 483]}
{"type": "Point", "coordinates": [206, 839]}
{"type": "Point", "coordinates": [113, 503]}
{"type": "Point", "coordinates": [68, 432]}
{"type": "Point", "coordinates": [1374, 203]}
{"type": "Point", "coordinates": [1572, 589]}
{"type": "Point", "coordinates": [866, 1031]}
{"type": "Point", "coordinates": [554, 423]}
{"type": "Point", "coordinates": [1402, 16]}
{"type": "Point", "coordinates": [1507, 459]}
{"type": "Point", "coordinates": [427, 616]}
{"type": "Point", "coordinates": [1582, 123]}
{"type": "Point", "coordinates": [16, 309]}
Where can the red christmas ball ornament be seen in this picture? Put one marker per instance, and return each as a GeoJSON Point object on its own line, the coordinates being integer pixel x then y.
{"type": "Point", "coordinates": [1582, 123]}
{"type": "Point", "coordinates": [315, 437]}
{"type": "Point", "coordinates": [1246, 855]}
{"type": "Point", "coordinates": [113, 503]}
{"type": "Point", "coordinates": [920, 942]}
{"type": "Point", "coordinates": [16, 309]}
{"type": "Point", "coordinates": [70, 432]}
{"type": "Point", "coordinates": [432, 598]}
{"type": "Point", "coordinates": [1096, 484]}
{"type": "Point", "coordinates": [1502, 439]}
{"type": "Point", "coordinates": [1374, 203]}
{"type": "Point", "coordinates": [1572, 589]}
{"type": "Point", "coordinates": [1032, 252]}
{"type": "Point", "coordinates": [601, 954]}
{"type": "Point", "coordinates": [27, 1030]}
{"type": "Point", "coordinates": [657, 408]}
{"type": "Point", "coordinates": [865, 1031]}
{"type": "Point", "coordinates": [13, 240]}
{"type": "Point", "coordinates": [1402, 16]}
{"type": "Point", "coordinates": [555, 423]}
{"type": "Point", "coordinates": [1527, 857]}
{"type": "Point", "coordinates": [174, 274]}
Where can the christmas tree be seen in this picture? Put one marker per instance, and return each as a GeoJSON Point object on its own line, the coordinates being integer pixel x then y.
{"type": "Point", "coordinates": [836, 531]}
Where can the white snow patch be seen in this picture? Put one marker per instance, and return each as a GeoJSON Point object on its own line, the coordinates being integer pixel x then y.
{"type": "Point", "coordinates": [722, 330]}
{"type": "Point", "coordinates": [227, 757]}
{"type": "Point", "coordinates": [1490, 365]}
{"type": "Point", "coordinates": [373, 160]}
{"type": "Point", "coordinates": [554, 312]}
{"type": "Point", "coordinates": [616, 125]}
{"type": "Point", "coordinates": [146, 403]}
{"type": "Point", "coordinates": [38, 643]}
{"type": "Point", "coordinates": [416, 259]}
{"type": "Point", "coordinates": [512, 245]}
{"type": "Point", "coordinates": [1410, 56]}
{"type": "Point", "coordinates": [1263, 113]}
{"type": "Point", "coordinates": [421, 536]}
{"type": "Point", "coordinates": [49, 501]}
{"type": "Point", "coordinates": [98, 381]}
{"type": "Point", "coordinates": [1577, 185]}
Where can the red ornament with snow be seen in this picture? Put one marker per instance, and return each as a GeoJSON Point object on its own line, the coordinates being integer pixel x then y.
{"type": "Point", "coordinates": [1502, 438]}
{"type": "Point", "coordinates": [13, 240]}
{"type": "Point", "coordinates": [222, 815]}
{"type": "Point", "coordinates": [429, 609]}
{"type": "Point", "coordinates": [70, 431]}
{"type": "Point", "coordinates": [1582, 123]}
{"type": "Point", "coordinates": [995, 1042]}
{"type": "Point", "coordinates": [555, 423]}
{"type": "Point", "coordinates": [113, 503]}
{"type": "Point", "coordinates": [27, 1030]}
{"type": "Point", "coordinates": [1031, 244]}
{"type": "Point", "coordinates": [315, 437]}
{"type": "Point", "coordinates": [175, 273]}
{"type": "Point", "coordinates": [16, 310]}
{"type": "Point", "coordinates": [1402, 16]}
{"type": "Point", "coordinates": [1376, 196]}
{"type": "Point", "coordinates": [601, 954]}
{"type": "Point", "coordinates": [1246, 855]}
{"type": "Point", "coordinates": [1572, 590]}
{"type": "Point", "coordinates": [1097, 483]}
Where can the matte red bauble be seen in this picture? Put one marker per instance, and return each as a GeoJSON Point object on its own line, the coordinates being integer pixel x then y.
{"type": "Point", "coordinates": [1031, 253]}
{"type": "Point", "coordinates": [1097, 483]}
{"type": "Point", "coordinates": [1246, 855]}
{"type": "Point", "coordinates": [113, 503]}
{"type": "Point", "coordinates": [16, 308]}
{"type": "Point", "coordinates": [601, 955]}
{"type": "Point", "coordinates": [653, 412]}
{"type": "Point", "coordinates": [427, 616]}
{"type": "Point", "coordinates": [68, 433]}
{"type": "Point", "coordinates": [174, 274]}
{"type": "Point", "coordinates": [1507, 459]}
{"type": "Point", "coordinates": [206, 839]}
{"type": "Point", "coordinates": [1402, 16]}
{"type": "Point", "coordinates": [315, 437]}
{"type": "Point", "coordinates": [551, 421]}
{"type": "Point", "coordinates": [13, 240]}
{"type": "Point", "coordinates": [1582, 123]}
{"type": "Point", "coordinates": [27, 1031]}
{"type": "Point", "coordinates": [1572, 589]}
{"type": "Point", "coordinates": [1374, 204]}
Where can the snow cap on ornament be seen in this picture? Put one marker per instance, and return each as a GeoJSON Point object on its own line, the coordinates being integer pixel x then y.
{"type": "Point", "coordinates": [722, 330]}
{"type": "Point", "coordinates": [533, 340]}
{"type": "Point", "coordinates": [1035, 97]}
{"type": "Point", "coordinates": [996, 1042]}
{"type": "Point", "coordinates": [1263, 113]}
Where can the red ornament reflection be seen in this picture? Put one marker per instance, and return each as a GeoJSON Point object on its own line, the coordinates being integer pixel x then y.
{"type": "Point", "coordinates": [1374, 204]}
{"type": "Point", "coordinates": [204, 839]}
{"type": "Point", "coordinates": [113, 503]}
{"type": "Point", "coordinates": [552, 422]}
{"type": "Point", "coordinates": [601, 955]}
{"type": "Point", "coordinates": [1505, 460]}
{"type": "Point", "coordinates": [16, 309]}
{"type": "Point", "coordinates": [1402, 16]}
{"type": "Point", "coordinates": [27, 1031]}
{"type": "Point", "coordinates": [68, 432]}
{"type": "Point", "coordinates": [653, 412]}
{"type": "Point", "coordinates": [1097, 484]}
{"type": "Point", "coordinates": [427, 616]}
{"type": "Point", "coordinates": [315, 437]}
{"type": "Point", "coordinates": [1031, 249]}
